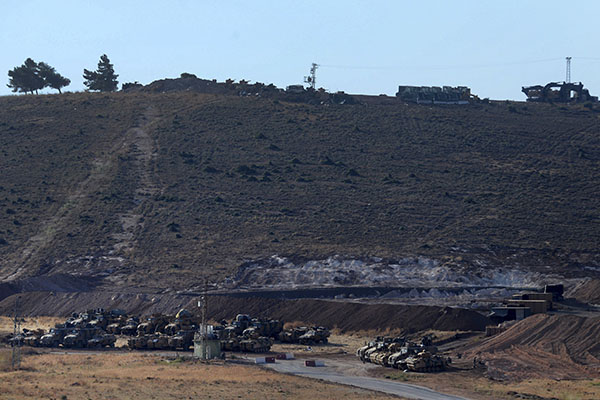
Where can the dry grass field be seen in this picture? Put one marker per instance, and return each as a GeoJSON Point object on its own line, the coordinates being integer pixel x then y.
{"type": "Point", "coordinates": [31, 323]}
{"type": "Point", "coordinates": [138, 376]}
{"type": "Point", "coordinates": [145, 376]}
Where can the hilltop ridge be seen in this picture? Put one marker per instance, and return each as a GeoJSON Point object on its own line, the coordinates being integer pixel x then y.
{"type": "Point", "coordinates": [163, 190]}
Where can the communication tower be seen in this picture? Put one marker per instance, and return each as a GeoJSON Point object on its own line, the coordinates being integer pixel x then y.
{"type": "Point", "coordinates": [568, 80]}
{"type": "Point", "coordinates": [312, 78]}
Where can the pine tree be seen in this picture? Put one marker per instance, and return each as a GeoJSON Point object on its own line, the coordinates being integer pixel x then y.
{"type": "Point", "coordinates": [32, 76]}
{"type": "Point", "coordinates": [103, 79]}
{"type": "Point", "coordinates": [52, 78]}
{"type": "Point", "coordinates": [26, 78]}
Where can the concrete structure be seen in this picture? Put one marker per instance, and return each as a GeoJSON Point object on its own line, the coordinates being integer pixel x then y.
{"type": "Point", "coordinates": [207, 347]}
{"type": "Point", "coordinates": [536, 306]}
{"type": "Point", "coordinates": [535, 296]}
{"type": "Point", "coordinates": [510, 313]}
{"type": "Point", "coordinates": [295, 89]}
{"type": "Point", "coordinates": [434, 94]}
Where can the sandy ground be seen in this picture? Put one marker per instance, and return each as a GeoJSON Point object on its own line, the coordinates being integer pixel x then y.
{"type": "Point", "coordinates": [534, 366]}
{"type": "Point", "coordinates": [147, 376]}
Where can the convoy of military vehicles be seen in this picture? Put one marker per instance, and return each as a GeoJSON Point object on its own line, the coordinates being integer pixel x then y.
{"type": "Point", "coordinates": [403, 354]}
{"type": "Point", "coordinates": [99, 328]}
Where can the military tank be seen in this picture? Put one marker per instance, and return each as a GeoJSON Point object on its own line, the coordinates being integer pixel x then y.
{"type": "Point", "coordinates": [103, 340]}
{"type": "Point", "coordinates": [54, 337]}
{"type": "Point", "coordinates": [261, 344]}
{"type": "Point", "coordinates": [403, 354]}
{"type": "Point", "coordinates": [305, 335]}
{"type": "Point", "coordinates": [424, 362]}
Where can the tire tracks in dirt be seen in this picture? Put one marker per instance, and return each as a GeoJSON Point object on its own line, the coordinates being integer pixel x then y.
{"type": "Point", "coordinates": [136, 142]}
{"type": "Point", "coordinates": [142, 147]}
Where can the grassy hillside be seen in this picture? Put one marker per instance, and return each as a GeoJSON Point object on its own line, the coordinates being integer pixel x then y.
{"type": "Point", "coordinates": [176, 186]}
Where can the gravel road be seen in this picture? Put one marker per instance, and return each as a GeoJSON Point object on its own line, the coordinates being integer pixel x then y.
{"type": "Point", "coordinates": [333, 373]}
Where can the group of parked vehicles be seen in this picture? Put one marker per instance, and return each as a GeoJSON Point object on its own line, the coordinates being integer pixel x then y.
{"type": "Point", "coordinates": [405, 355]}
{"type": "Point", "coordinates": [99, 328]}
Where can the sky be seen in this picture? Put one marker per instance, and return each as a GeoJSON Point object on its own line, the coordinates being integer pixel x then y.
{"type": "Point", "coordinates": [366, 47]}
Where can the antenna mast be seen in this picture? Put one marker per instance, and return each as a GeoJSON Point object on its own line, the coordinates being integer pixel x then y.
{"type": "Point", "coordinates": [203, 326]}
{"type": "Point", "coordinates": [568, 69]}
{"type": "Point", "coordinates": [312, 78]}
{"type": "Point", "coordinates": [16, 342]}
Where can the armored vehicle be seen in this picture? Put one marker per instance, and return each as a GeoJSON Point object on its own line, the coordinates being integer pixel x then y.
{"type": "Point", "coordinates": [104, 340]}
{"type": "Point", "coordinates": [78, 337]}
{"type": "Point", "coordinates": [230, 344]}
{"type": "Point", "coordinates": [424, 362]}
{"type": "Point", "coordinates": [158, 342]}
{"type": "Point", "coordinates": [130, 327]}
{"type": "Point", "coordinates": [314, 335]}
{"type": "Point", "coordinates": [259, 345]}
{"type": "Point", "coordinates": [137, 343]}
{"type": "Point", "coordinates": [181, 341]}
{"type": "Point", "coordinates": [54, 337]}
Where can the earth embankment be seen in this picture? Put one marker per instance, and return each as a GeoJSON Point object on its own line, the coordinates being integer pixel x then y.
{"type": "Point", "coordinates": [543, 346]}
{"type": "Point", "coordinates": [344, 316]}
{"type": "Point", "coordinates": [587, 292]}
{"type": "Point", "coordinates": [47, 283]}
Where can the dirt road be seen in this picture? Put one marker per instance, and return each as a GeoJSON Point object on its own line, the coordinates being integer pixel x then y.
{"type": "Point", "coordinates": [334, 371]}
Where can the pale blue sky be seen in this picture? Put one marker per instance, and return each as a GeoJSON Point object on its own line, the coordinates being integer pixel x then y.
{"type": "Point", "coordinates": [370, 47]}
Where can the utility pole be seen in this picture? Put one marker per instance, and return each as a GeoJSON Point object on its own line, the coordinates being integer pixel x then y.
{"type": "Point", "coordinates": [203, 327]}
{"type": "Point", "coordinates": [312, 78]}
{"type": "Point", "coordinates": [568, 69]}
{"type": "Point", "coordinates": [16, 342]}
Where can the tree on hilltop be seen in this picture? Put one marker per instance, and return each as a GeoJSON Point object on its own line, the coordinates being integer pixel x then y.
{"type": "Point", "coordinates": [26, 78]}
{"type": "Point", "coordinates": [103, 79]}
{"type": "Point", "coordinates": [52, 78]}
{"type": "Point", "coordinates": [31, 77]}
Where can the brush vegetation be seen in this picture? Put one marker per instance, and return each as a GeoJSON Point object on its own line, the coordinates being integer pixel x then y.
{"type": "Point", "coordinates": [179, 186]}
